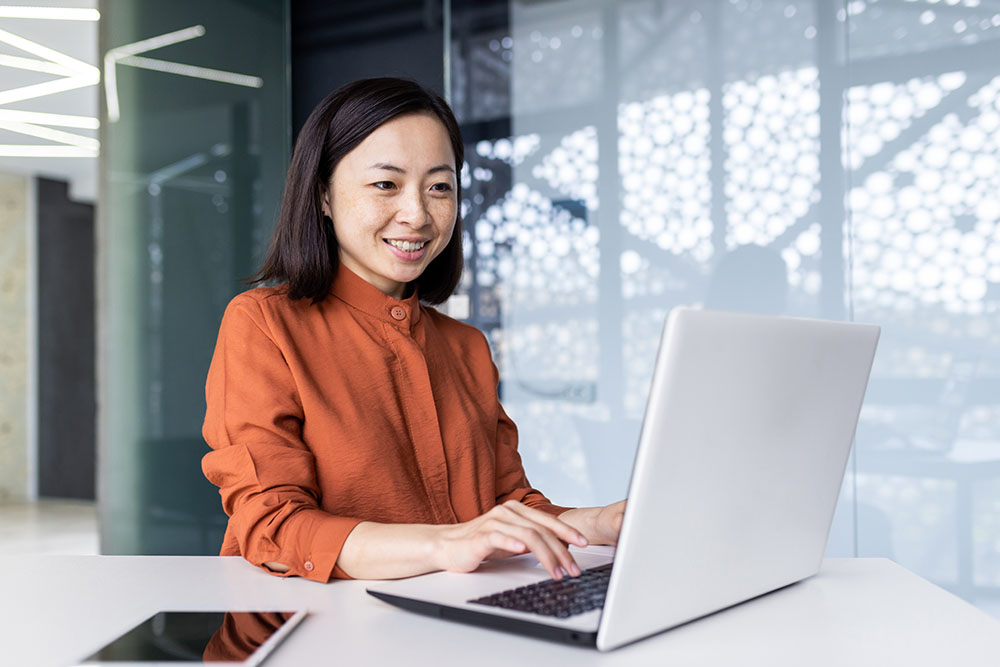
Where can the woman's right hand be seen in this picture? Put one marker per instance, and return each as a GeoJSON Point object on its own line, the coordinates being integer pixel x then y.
{"type": "Point", "coordinates": [506, 530]}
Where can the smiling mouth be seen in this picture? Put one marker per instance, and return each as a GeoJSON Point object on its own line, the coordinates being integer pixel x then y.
{"type": "Point", "coordinates": [406, 246]}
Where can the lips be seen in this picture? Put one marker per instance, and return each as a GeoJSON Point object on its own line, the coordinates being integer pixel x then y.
{"type": "Point", "coordinates": [406, 246]}
{"type": "Point", "coordinates": [408, 250]}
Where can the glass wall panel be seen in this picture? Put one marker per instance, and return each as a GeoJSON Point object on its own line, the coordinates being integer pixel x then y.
{"type": "Point", "coordinates": [832, 159]}
{"type": "Point", "coordinates": [922, 153]}
{"type": "Point", "coordinates": [195, 130]}
{"type": "Point", "coordinates": [638, 156]}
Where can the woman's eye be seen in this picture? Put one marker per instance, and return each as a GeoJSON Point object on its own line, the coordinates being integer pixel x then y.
{"type": "Point", "coordinates": [441, 187]}
{"type": "Point", "coordinates": [384, 185]}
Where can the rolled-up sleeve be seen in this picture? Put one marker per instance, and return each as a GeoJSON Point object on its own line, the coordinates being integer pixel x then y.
{"type": "Point", "coordinates": [265, 472]}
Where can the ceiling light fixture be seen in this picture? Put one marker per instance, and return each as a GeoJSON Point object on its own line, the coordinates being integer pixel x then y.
{"type": "Point", "coordinates": [193, 71]}
{"type": "Point", "coordinates": [22, 150]}
{"type": "Point", "coordinates": [58, 136]}
{"type": "Point", "coordinates": [51, 55]}
{"type": "Point", "coordinates": [127, 54]}
{"type": "Point", "coordinates": [72, 73]}
{"type": "Point", "coordinates": [114, 55]}
{"type": "Point", "coordinates": [76, 73]}
{"type": "Point", "coordinates": [34, 65]}
{"type": "Point", "coordinates": [49, 13]}
{"type": "Point", "coordinates": [43, 89]}
{"type": "Point", "coordinates": [44, 118]}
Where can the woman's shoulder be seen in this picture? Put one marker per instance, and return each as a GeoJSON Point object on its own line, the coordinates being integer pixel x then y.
{"type": "Point", "coordinates": [266, 306]}
{"type": "Point", "coordinates": [455, 329]}
{"type": "Point", "coordinates": [269, 298]}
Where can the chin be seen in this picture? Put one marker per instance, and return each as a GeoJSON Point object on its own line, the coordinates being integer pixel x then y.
{"type": "Point", "coordinates": [405, 278]}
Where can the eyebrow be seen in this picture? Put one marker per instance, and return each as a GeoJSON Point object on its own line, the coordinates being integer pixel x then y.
{"type": "Point", "coordinates": [384, 166]}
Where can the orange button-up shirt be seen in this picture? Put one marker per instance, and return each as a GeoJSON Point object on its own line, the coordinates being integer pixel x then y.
{"type": "Point", "coordinates": [359, 408]}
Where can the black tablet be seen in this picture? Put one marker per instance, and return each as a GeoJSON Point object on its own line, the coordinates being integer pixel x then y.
{"type": "Point", "coordinates": [199, 637]}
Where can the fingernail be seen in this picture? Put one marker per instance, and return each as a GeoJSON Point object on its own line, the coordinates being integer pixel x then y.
{"type": "Point", "coordinates": [581, 540]}
{"type": "Point", "coordinates": [574, 569]}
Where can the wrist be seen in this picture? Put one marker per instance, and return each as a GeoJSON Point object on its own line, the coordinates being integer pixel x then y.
{"type": "Point", "coordinates": [434, 550]}
{"type": "Point", "coordinates": [584, 520]}
{"type": "Point", "coordinates": [594, 533]}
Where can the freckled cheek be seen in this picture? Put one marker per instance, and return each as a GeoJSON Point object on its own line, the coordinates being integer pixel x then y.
{"type": "Point", "coordinates": [364, 216]}
{"type": "Point", "coordinates": [444, 212]}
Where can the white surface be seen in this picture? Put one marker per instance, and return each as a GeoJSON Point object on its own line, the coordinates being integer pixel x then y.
{"type": "Point", "coordinates": [855, 612]}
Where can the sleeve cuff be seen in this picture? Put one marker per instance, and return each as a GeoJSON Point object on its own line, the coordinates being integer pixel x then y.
{"type": "Point", "coordinates": [533, 499]}
{"type": "Point", "coordinates": [316, 556]}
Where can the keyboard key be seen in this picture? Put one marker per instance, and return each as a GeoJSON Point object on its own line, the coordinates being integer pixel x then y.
{"type": "Point", "coordinates": [561, 599]}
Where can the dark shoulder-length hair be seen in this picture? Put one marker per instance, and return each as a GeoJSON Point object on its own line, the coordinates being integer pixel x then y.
{"type": "Point", "coordinates": [303, 252]}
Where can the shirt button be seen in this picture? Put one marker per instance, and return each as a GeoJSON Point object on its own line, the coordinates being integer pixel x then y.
{"type": "Point", "coordinates": [308, 565]}
{"type": "Point", "coordinates": [398, 313]}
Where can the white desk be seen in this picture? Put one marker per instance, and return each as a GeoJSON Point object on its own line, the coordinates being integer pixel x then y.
{"type": "Point", "coordinates": [57, 609]}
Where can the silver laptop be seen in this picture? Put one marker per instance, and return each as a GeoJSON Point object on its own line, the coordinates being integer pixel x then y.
{"type": "Point", "coordinates": [744, 444]}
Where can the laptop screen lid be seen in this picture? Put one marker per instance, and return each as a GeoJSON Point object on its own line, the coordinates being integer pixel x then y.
{"type": "Point", "coordinates": [748, 428]}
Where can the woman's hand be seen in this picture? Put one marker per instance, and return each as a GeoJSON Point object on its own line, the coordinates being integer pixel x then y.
{"type": "Point", "coordinates": [600, 525]}
{"type": "Point", "coordinates": [506, 530]}
{"type": "Point", "coordinates": [390, 551]}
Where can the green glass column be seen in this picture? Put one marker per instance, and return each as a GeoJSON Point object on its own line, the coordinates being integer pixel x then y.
{"type": "Point", "coordinates": [195, 132]}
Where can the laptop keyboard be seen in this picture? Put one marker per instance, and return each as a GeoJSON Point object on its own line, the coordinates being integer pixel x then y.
{"type": "Point", "coordinates": [562, 599]}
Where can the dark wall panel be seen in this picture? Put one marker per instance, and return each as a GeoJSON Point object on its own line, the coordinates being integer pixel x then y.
{"type": "Point", "coordinates": [334, 43]}
{"type": "Point", "coordinates": [66, 406]}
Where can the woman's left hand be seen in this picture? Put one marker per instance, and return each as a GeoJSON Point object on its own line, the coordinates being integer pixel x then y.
{"type": "Point", "coordinates": [600, 525]}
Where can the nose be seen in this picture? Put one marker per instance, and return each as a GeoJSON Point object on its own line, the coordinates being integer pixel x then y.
{"type": "Point", "coordinates": [413, 208]}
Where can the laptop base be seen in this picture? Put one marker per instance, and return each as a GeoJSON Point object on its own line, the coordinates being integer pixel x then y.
{"type": "Point", "coordinates": [493, 621]}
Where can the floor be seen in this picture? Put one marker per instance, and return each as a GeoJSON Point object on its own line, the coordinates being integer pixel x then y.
{"type": "Point", "coordinates": [49, 527]}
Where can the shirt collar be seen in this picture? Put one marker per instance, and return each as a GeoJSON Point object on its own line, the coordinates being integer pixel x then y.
{"type": "Point", "coordinates": [358, 293]}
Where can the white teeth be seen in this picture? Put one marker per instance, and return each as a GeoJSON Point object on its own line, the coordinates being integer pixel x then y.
{"type": "Point", "coordinates": [407, 246]}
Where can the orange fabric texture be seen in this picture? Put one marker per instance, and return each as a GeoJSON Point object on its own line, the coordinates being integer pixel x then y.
{"type": "Point", "coordinates": [360, 408]}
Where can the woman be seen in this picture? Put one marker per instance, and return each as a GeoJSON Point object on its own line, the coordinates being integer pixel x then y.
{"type": "Point", "coordinates": [356, 432]}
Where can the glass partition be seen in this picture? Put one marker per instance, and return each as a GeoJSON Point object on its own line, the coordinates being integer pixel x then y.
{"type": "Point", "coordinates": [924, 203]}
{"type": "Point", "coordinates": [829, 159]}
{"type": "Point", "coordinates": [195, 134]}
{"type": "Point", "coordinates": [626, 158]}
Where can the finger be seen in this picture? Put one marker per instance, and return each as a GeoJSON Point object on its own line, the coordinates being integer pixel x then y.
{"type": "Point", "coordinates": [535, 543]}
{"type": "Point", "coordinates": [498, 540]}
{"type": "Point", "coordinates": [544, 524]}
{"type": "Point", "coordinates": [552, 553]}
{"type": "Point", "coordinates": [566, 532]}
{"type": "Point", "coordinates": [566, 560]}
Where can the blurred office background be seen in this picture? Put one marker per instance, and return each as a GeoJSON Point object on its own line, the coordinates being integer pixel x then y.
{"type": "Point", "coordinates": [837, 159]}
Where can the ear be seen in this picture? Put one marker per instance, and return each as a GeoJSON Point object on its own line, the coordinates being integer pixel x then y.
{"type": "Point", "coordinates": [326, 201]}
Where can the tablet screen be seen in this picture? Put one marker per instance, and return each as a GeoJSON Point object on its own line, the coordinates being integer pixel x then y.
{"type": "Point", "coordinates": [198, 637]}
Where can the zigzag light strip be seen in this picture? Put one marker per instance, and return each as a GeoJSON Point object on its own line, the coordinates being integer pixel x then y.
{"type": "Point", "coordinates": [49, 13]}
{"type": "Point", "coordinates": [112, 57]}
{"type": "Point", "coordinates": [68, 138]}
{"type": "Point", "coordinates": [193, 71]}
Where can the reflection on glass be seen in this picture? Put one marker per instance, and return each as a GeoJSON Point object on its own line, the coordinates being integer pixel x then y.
{"type": "Point", "coordinates": [922, 157]}
{"type": "Point", "coordinates": [194, 636]}
{"type": "Point", "coordinates": [821, 159]}
{"type": "Point", "coordinates": [195, 137]}
{"type": "Point", "coordinates": [242, 633]}
{"type": "Point", "coordinates": [603, 199]}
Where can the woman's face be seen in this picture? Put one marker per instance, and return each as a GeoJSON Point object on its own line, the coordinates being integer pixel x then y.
{"type": "Point", "coordinates": [393, 201]}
